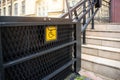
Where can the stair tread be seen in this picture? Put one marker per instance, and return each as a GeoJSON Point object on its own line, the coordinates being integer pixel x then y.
{"type": "Point", "coordinates": [102, 48]}
{"type": "Point", "coordinates": [94, 30]}
{"type": "Point", "coordinates": [108, 24]}
{"type": "Point", "coordinates": [103, 61]}
{"type": "Point", "coordinates": [103, 38]}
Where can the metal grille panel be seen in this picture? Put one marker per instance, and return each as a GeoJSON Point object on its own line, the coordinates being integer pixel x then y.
{"type": "Point", "coordinates": [38, 68]}
{"type": "Point", "coordinates": [62, 75]}
{"type": "Point", "coordinates": [19, 41]}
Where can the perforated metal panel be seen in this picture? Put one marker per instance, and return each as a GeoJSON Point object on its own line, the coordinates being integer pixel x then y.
{"type": "Point", "coordinates": [26, 55]}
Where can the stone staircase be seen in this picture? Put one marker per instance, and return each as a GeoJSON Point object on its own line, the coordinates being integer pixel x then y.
{"type": "Point", "coordinates": [101, 54]}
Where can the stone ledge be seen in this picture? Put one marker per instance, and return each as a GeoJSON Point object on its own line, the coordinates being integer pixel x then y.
{"type": "Point", "coordinates": [102, 48]}
{"type": "Point", "coordinates": [103, 38]}
{"type": "Point", "coordinates": [109, 31]}
{"type": "Point", "coordinates": [109, 72]}
{"type": "Point", "coordinates": [103, 61]}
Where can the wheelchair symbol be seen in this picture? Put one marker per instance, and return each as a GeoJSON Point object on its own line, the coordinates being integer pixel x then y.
{"type": "Point", "coordinates": [51, 33]}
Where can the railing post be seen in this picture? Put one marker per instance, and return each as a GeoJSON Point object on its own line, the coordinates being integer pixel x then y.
{"type": "Point", "coordinates": [78, 47]}
{"type": "Point", "coordinates": [90, 10]}
{"type": "Point", "coordinates": [93, 17]}
{"type": "Point", "coordinates": [84, 21]}
{"type": "Point", "coordinates": [75, 13]}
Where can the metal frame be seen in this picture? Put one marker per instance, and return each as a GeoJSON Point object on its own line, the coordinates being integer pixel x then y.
{"type": "Point", "coordinates": [19, 21]}
{"type": "Point", "coordinates": [84, 21]}
{"type": "Point", "coordinates": [78, 47]}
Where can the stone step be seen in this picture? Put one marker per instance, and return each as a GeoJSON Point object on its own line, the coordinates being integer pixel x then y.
{"type": "Point", "coordinates": [101, 51]}
{"type": "Point", "coordinates": [107, 27]}
{"type": "Point", "coordinates": [93, 75]}
{"type": "Point", "coordinates": [102, 33]}
{"type": "Point", "coordinates": [103, 41]}
{"type": "Point", "coordinates": [102, 66]}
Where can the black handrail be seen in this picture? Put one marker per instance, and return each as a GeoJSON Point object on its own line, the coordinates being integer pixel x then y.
{"type": "Point", "coordinates": [79, 16]}
{"type": "Point", "coordinates": [73, 8]}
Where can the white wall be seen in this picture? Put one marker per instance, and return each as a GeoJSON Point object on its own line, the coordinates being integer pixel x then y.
{"type": "Point", "coordinates": [55, 5]}
{"type": "Point", "coordinates": [30, 7]}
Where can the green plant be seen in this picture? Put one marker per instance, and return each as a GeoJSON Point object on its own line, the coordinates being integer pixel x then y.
{"type": "Point", "coordinates": [80, 78]}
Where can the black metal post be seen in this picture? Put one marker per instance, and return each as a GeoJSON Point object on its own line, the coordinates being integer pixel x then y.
{"type": "Point", "coordinates": [1, 60]}
{"type": "Point", "coordinates": [92, 14]}
{"type": "Point", "coordinates": [75, 13]}
{"type": "Point", "coordinates": [78, 47]}
{"type": "Point", "coordinates": [90, 10]}
{"type": "Point", "coordinates": [84, 21]}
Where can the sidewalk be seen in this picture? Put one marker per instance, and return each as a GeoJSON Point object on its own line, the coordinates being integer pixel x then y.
{"type": "Point", "coordinates": [90, 75]}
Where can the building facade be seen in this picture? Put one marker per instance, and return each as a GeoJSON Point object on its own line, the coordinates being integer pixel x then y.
{"type": "Point", "coordinates": [42, 8]}
{"type": "Point", "coordinates": [53, 8]}
{"type": "Point", "coordinates": [17, 7]}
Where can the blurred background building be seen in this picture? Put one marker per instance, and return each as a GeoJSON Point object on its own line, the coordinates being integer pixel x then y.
{"type": "Point", "coordinates": [53, 8]}
{"type": "Point", "coordinates": [42, 8]}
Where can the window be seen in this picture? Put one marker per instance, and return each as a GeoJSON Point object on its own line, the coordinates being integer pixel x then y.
{"type": "Point", "coordinates": [39, 11]}
{"type": "Point", "coordinates": [15, 9]}
{"type": "Point", "coordinates": [9, 10]}
{"type": "Point", "coordinates": [23, 7]}
{"type": "Point", "coordinates": [42, 11]}
{"type": "Point", "coordinates": [4, 11]}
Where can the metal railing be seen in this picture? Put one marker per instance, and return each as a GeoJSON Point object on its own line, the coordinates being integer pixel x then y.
{"type": "Point", "coordinates": [83, 12]}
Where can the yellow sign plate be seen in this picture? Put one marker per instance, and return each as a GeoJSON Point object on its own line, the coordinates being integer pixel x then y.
{"type": "Point", "coordinates": [51, 33]}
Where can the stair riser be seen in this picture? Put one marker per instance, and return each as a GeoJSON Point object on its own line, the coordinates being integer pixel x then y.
{"type": "Point", "coordinates": [115, 44]}
{"type": "Point", "coordinates": [107, 71]}
{"type": "Point", "coordinates": [102, 53]}
{"type": "Point", "coordinates": [103, 34]}
{"type": "Point", "coordinates": [106, 27]}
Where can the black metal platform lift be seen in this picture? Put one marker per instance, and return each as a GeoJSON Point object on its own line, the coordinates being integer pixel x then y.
{"type": "Point", "coordinates": [34, 48]}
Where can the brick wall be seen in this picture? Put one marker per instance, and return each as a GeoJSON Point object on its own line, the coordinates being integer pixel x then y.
{"type": "Point", "coordinates": [115, 11]}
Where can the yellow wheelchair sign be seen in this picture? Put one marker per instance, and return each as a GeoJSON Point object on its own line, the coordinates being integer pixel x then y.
{"type": "Point", "coordinates": [51, 33]}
